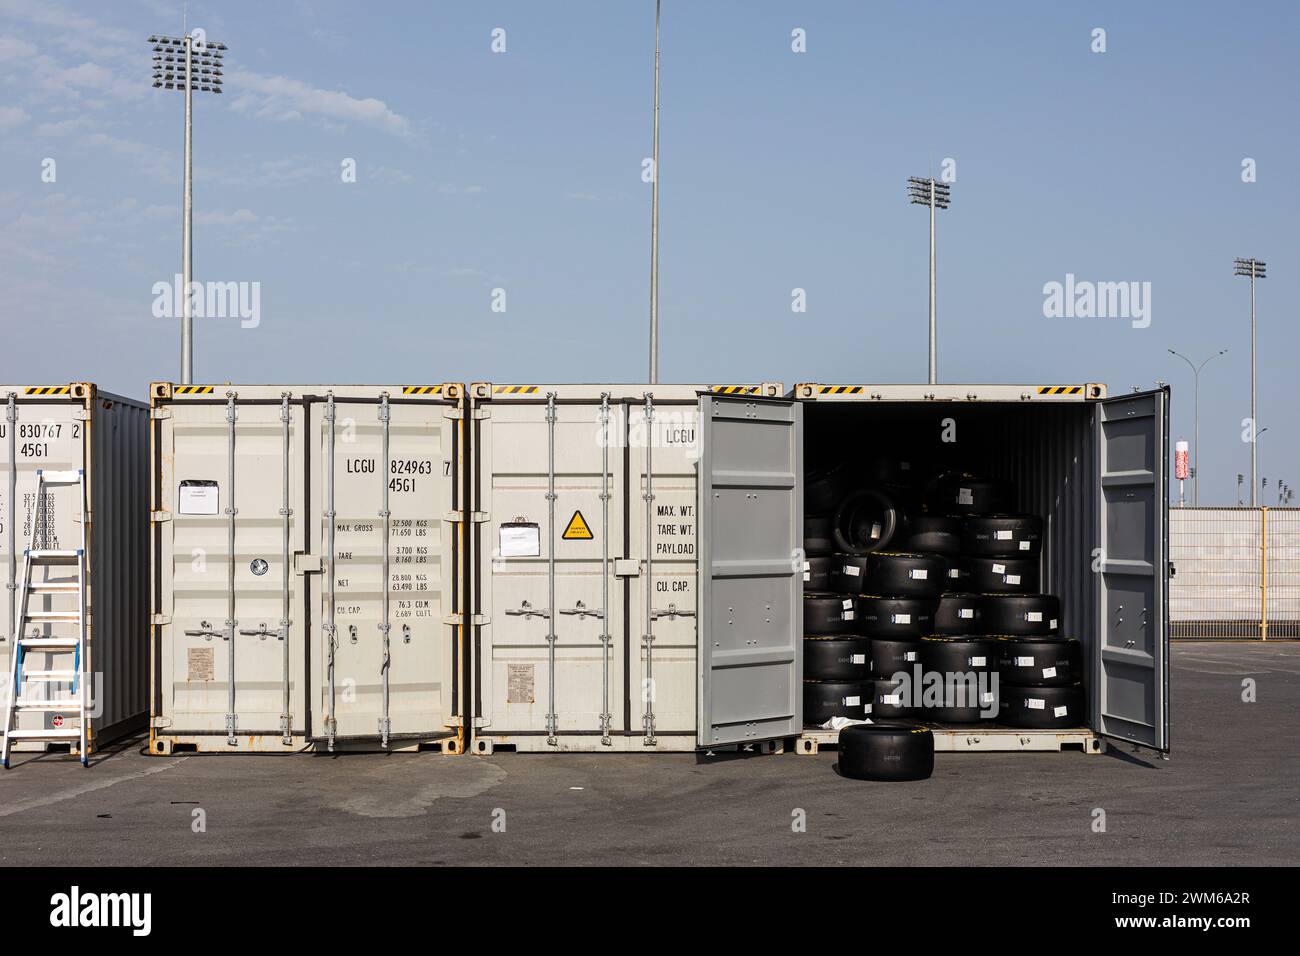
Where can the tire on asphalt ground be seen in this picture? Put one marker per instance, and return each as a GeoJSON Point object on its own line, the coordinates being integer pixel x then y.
{"type": "Point", "coordinates": [865, 521]}
{"type": "Point", "coordinates": [831, 658]}
{"type": "Point", "coordinates": [1021, 614]}
{"type": "Point", "coordinates": [956, 493]}
{"type": "Point", "coordinates": [1003, 536]}
{"type": "Point", "coordinates": [886, 752]}
{"type": "Point", "coordinates": [890, 655]}
{"type": "Point", "coordinates": [817, 536]}
{"type": "Point", "coordinates": [958, 613]}
{"type": "Point", "coordinates": [895, 617]}
{"type": "Point", "coordinates": [817, 571]}
{"type": "Point", "coordinates": [1039, 662]}
{"type": "Point", "coordinates": [1000, 575]}
{"type": "Point", "coordinates": [934, 534]}
{"type": "Point", "coordinates": [890, 699]}
{"type": "Point", "coordinates": [904, 574]}
{"type": "Point", "coordinates": [829, 614]}
{"type": "Point", "coordinates": [823, 700]}
{"type": "Point", "coordinates": [1044, 708]}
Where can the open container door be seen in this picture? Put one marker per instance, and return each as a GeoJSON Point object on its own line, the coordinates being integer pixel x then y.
{"type": "Point", "coordinates": [1130, 653]}
{"type": "Point", "coordinates": [750, 532]}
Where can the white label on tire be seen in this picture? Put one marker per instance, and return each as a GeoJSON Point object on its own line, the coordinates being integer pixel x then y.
{"type": "Point", "coordinates": [1033, 615]}
{"type": "Point", "coordinates": [848, 616]}
{"type": "Point", "coordinates": [999, 569]}
{"type": "Point", "coordinates": [1049, 672]}
{"type": "Point", "coordinates": [859, 659]}
{"type": "Point", "coordinates": [909, 656]}
{"type": "Point", "coordinates": [978, 662]}
{"type": "Point", "coordinates": [964, 496]}
{"type": "Point", "coordinates": [1060, 711]}
{"type": "Point", "coordinates": [807, 576]}
{"type": "Point", "coordinates": [1035, 703]}
{"type": "Point", "coordinates": [895, 699]}
{"type": "Point", "coordinates": [986, 698]}
{"type": "Point", "coordinates": [851, 570]}
{"type": "Point", "coordinates": [867, 708]}
{"type": "Point", "coordinates": [848, 604]}
{"type": "Point", "coordinates": [901, 618]}
{"type": "Point", "coordinates": [954, 572]}
{"type": "Point", "coordinates": [852, 701]}
{"type": "Point", "coordinates": [1025, 545]}
{"type": "Point", "coordinates": [966, 613]}
{"type": "Point", "coordinates": [875, 530]}
{"type": "Point", "coordinates": [918, 574]}
{"type": "Point", "coordinates": [1053, 624]}
{"type": "Point", "coordinates": [807, 565]}
{"type": "Point", "coordinates": [1024, 662]}
{"type": "Point", "coordinates": [1001, 535]}
{"type": "Point", "coordinates": [1012, 579]}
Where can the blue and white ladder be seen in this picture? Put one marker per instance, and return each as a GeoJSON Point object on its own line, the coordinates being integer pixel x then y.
{"type": "Point", "coordinates": [57, 633]}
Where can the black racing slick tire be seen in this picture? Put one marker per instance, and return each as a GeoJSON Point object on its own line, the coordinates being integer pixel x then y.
{"type": "Point", "coordinates": [959, 655]}
{"type": "Point", "coordinates": [1039, 662]}
{"type": "Point", "coordinates": [889, 752]}
{"type": "Point", "coordinates": [1000, 575]}
{"type": "Point", "coordinates": [817, 571]}
{"type": "Point", "coordinates": [891, 699]}
{"type": "Point", "coordinates": [1044, 708]}
{"type": "Point", "coordinates": [958, 613]}
{"type": "Point", "coordinates": [823, 700]}
{"type": "Point", "coordinates": [960, 701]}
{"type": "Point", "coordinates": [1021, 614]}
{"type": "Point", "coordinates": [848, 573]}
{"type": "Point", "coordinates": [934, 534]}
{"type": "Point", "coordinates": [817, 537]}
{"type": "Point", "coordinates": [1003, 536]}
{"type": "Point", "coordinates": [865, 521]}
{"type": "Point", "coordinates": [829, 614]}
{"type": "Point", "coordinates": [903, 574]}
{"type": "Point", "coordinates": [895, 617]}
{"type": "Point", "coordinates": [964, 494]}
{"type": "Point", "coordinates": [889, 656]}
{"type": "Point", "coordinates": [836, 658]}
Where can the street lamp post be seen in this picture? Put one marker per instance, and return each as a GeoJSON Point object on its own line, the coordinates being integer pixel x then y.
{"type": "Point", "coordinates": [930, 192]}
{"type": "Point", "coordinates": [1255, 270]}
{"type": "Point", "coordinates": [1196, 440]}
{"type": "Point", "coordinates": [187, 64]}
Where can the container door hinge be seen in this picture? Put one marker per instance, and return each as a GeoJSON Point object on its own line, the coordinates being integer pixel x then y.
{"type": "Point", "coordinates": [160, 414]}
{"type": "Point", "coordinates": [160, 619]}
{"type": "Point", "coordinates": [479, 517]}
{"type": "Point", "coordinates": [160, 516]}
{"type": "Point", "coordinates": [455, 517]}
{"type": "Point", "coordinates": [306, 563]}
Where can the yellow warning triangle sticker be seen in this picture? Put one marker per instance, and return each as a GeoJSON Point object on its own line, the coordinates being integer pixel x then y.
{"type": "Point", "coordinates": [577, 529]}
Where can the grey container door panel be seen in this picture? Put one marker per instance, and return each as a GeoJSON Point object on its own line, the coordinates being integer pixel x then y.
{"type": "Point", "coordinates": [1130, 692]}
{"type": "Point", "coordinates": [418, 475]}
{"type": "Point", "coordinates": [750, 620]}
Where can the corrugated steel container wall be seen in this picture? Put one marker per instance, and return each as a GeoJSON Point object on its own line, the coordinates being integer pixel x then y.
{"type": "Point", "coordinates": [220, 468]}
{"type": "Point", "coordinates": [78, 427]}
{"type": "Point", "coordinates": [651, 578]}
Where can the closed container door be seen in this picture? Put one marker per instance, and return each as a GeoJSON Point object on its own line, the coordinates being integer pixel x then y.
{"type": "Point", "coordinates": [46, 435]}
{"type": "Point", "coordinates": [381, 646]}
{"type": "Point", "coordinates": [223, 602]}
{"type": "Point", "coordinates": [751, 570]}
{"type": "Point", "coordinates": [1131, 650]}
{"type": "Point", "coordinates": [664, 453]}
{"type": "Point", "coordinates": [524, 687]}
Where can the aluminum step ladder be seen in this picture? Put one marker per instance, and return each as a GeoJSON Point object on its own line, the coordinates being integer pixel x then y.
{"type": "Point", "coordinates": [63, 705]}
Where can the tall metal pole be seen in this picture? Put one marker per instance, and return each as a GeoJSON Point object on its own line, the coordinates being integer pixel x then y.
{"type": "Point", "coordinates": [1196, 392]}
{"type": "Point", "coordinates": [1254, 422]}
{"type": "Point", "coordinates": [654, 222]}
{"type": "Point", "coordinates": [934, 361]}
{"type": "Point", "coordinates": [187, 318]}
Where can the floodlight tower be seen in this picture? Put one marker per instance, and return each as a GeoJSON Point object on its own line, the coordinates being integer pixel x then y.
{"type": "Point", "coordinates": [930, 192]}
{"type": "Point", "coordinates": [1255, 270]}
{"type": "Point", "coordinates": [187, 64]}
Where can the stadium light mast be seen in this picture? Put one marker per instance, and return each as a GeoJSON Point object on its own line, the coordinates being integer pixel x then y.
{"type": "Point", "coordinates": [1255, 270]}
{"type": "Point", "coordinates": [1196, 439]}
{"type": "Point", "coordinates": [930, 192]}
{"type": "Point", "coordinates": [187, 64]}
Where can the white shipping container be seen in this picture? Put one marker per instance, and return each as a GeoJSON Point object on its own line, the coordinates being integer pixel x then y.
{"type": "Point", "coordinates": [306, 560]}
{"type": "Point", "coordinates": [69, 428]}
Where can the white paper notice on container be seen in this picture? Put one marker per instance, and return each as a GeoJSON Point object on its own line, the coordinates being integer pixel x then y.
{"type": "Point", "coordinates": [199, 498]}
{"type": "Point", "coordinates": [520, 540]}
{"type": "Point", "coordinates": [1049, 672]}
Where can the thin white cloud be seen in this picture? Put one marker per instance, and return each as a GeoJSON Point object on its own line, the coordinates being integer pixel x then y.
{"type": "Point", "coordinates": [221, 217]}
{"type": "Point", "coordinates": [11, 116]}
{"type": "Point", "coordinates": [283, 98]}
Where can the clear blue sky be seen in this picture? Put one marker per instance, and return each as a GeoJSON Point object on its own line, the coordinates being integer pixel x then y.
{"type": "Point", "coordinates": [780, 170]}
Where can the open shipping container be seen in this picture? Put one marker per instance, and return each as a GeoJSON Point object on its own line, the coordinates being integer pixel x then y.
{"type": "Point", "coordinates": [632, 579]}
{"type": "Point", "coordinates": [70, 428]}
{"type": "Point", "coordinates": [306, 553]}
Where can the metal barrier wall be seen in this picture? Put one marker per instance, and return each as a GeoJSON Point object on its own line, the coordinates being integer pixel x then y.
{"type": "Point", "coordinates": [1236, 573]}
